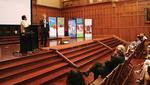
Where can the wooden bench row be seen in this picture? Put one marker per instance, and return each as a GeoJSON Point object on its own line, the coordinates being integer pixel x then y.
{"type": "Point", "coordinates": [121, 73]}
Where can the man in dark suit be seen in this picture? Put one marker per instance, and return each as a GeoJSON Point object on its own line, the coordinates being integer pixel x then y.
{"type": "Point", "coordinates": [104, 69]}
{"type": "Point", "coordinates": [44, 30]}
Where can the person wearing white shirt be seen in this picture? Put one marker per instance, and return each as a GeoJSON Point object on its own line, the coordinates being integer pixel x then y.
{"type": "Point", "coordinates": [23, 37]}
{"type": "Point", "coordinates": [144, 68]}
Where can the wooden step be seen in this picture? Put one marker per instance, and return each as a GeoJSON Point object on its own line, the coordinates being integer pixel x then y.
{"type": "Point", "coordinates": [84, 56]}
{"type": "Point", "coordinates": [29, 66]}
{"type": "Point", "coordinates": [24, 60]}
{"type": "Point", "coordinates": [107, 40]}
{"type": "Point", "coordinates": [93, 58]}
{"type": "Point", "coordinates": [83, 51]}
{"type": "Point", "coordinates": [110, 42]}
{"type": "Point", "coordinates": [68, 50]}
{"type": "Point", "coordinates": [81, 64]}
{"type": "Point", "coordinates": [50, 77]}
{"type": "Point", "coordinates": [10, 39]}
{"type": "Point", "coordinates": [44, 68]}
{"type": "Point", "coordinates": [30, 75]}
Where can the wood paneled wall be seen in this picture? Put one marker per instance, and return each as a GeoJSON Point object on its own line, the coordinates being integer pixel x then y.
{"type": "Point", "coordinates": [124, 19]}
{"type": "Point", "coordinates": [38, 11]}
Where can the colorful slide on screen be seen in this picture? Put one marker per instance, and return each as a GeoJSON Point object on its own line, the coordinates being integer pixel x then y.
{"type": "Point", "coordinates": [80, 29]}
{"type": "Point", "coordinates": [72, 28]}
{"type": "Point", "coordinates": [60, 25]}
{"type": "Point", "coordinates": [88, 28]}
{"type": "Point", "coordinates": [52, 27]}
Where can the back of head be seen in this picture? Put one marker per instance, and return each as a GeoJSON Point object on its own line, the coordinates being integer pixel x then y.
{"type": "Point", "coordinates": [148, 56]}
{"type": "Point", "coordinates": [98, 64]}
{"type": "Point", "coordinates": [74, 77]}
{"type": "Point", "coordinates": [44, 16]}
{"type": "Point", "coordinates": [121, 49]}
{"type": "Point", "coordinates": [142, 34]}
{"type": "Point", "coordinates": [23, 17]}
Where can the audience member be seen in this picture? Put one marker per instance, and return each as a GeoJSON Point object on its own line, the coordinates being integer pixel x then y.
{"type": "Point", "coordinates": [23, 36]}
{"type": "Point", "coordinates": [147, 76]}
{"type": "Point", "coordinates": [138, 40]}
{"type": "Point", "coordinates": [75, 77]}
{"type": "Point", "coordinates": [148, 49]}
{"type": "Point", "coordinates": [143, 37]}
{"type": "Point", "coordinates": [117, 58]}
{"type": "Point", "coordinates": [99, 69]}
{"type": "Point", "coordinates": [144, 68]}
{"type": "Point", "coordinates": [132, 46]}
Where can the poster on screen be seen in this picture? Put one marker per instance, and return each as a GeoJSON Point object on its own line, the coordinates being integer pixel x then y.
{"type": "Point", "coordinates": [60, 25]}
{"type": "Point", "coordinates": [72, 28]}
{"type": "Point", "coordinates": [80, 29]}
{"type": "Point", "coordinates": [52, 27]}
{"type": "Point", "coordinates": [88, 28]}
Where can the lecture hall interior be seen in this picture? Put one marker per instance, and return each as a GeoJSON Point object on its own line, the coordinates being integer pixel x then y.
{"type": "Point", "coordinates": [75, 42]}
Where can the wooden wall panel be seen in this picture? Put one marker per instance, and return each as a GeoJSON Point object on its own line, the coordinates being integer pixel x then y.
{"type": "Point", "coordinates": [125, 20]}
{"type": "Point", "coordinates": [38, 11]}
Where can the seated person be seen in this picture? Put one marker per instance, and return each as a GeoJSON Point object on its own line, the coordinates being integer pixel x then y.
{"type": "Point", "coordinates": [138, 40]}
{"type": "Point", "coordinates": [131, 47]}
{"type": "Point", "coordinates": [75, 77]}
{"type": "Point", "coordinates": [143, 36]}
{"type": "Point", "coordinates": [147, 76]}
{"type": "Point", "coordinates": [104, 69]}
{"type": "Point", "coordinates": [148, 49]}
{"type": "Point", "coordinates": [144, 68]}
{"type": "Point", "coordinates": [97, 69]}
{"type": "Point", "coordinates": [117, 58]}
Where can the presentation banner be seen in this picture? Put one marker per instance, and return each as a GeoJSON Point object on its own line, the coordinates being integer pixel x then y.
{"type": "Point", "coordinates": [52, 27]}
{"type": "Point", "coordinates": [72, 28]}
{"type": "Point", "coordinates": [88, 28]}
{"type": "Point", "coordinates": [80, 29]}
{"type": "Point", "coordinates": [60, 25]}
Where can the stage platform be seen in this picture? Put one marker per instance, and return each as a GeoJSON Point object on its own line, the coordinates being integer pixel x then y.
{"type": "Point", "coordinates": [10, 51]}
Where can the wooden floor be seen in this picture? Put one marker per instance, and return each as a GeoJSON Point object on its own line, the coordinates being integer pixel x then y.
{"type": "Point", "coordinates": [137, 66]}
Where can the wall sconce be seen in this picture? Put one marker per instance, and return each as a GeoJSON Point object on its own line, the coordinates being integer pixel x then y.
{"type": "Point", "coordinates": [114, 3]}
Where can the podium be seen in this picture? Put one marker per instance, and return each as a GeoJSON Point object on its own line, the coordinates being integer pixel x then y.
{"type": "Point", "coordinates": [33, 37]}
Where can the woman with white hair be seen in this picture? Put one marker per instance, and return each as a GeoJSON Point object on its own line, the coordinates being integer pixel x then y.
{"type": "Point", "coordinates": [117, 58]}
{"type": "Point", "coordinates": [104, 69]}
{"type": "Point", "coordinates": [147, 76]}
{"type": "Point", "coordinates": [144, 68]}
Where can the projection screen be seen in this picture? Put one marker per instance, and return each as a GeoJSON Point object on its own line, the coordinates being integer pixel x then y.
{"type": "Point", "coordinates": [12, 10]}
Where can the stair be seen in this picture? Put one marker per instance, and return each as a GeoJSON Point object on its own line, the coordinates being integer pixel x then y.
{"type": "Point", "coordinates": [48, 67]}
{"type": "Point", "coordinates": [9, 40]}
{"type": "Point", "coordinates": [112, 42]}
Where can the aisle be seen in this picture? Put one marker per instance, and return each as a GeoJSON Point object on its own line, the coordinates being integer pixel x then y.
{"type": "Point", "coordinates": [137, 64]}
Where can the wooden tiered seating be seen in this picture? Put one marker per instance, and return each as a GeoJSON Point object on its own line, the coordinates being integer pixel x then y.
{"type": "Point", "coordinates": [22, 69]}
{"type": "Point", "coordinates": [121, 73]}
{"type": "Point", "coordinates": [47, 67]}
{"type": "Point", "coordinates": [111, 42]}
{"type": "Point", "coordinates": [109, 79]}
{"type": "Point", "coordinates": [82, 57]}
{"type": "Point", "coordinates": [9, 40]}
